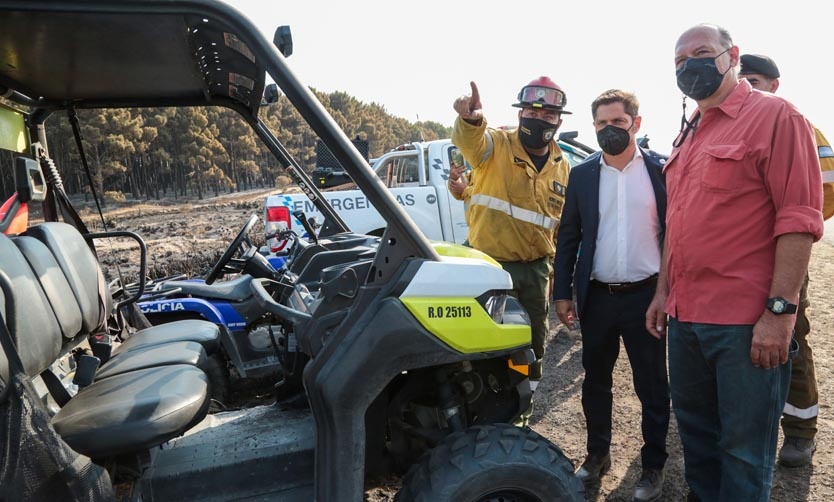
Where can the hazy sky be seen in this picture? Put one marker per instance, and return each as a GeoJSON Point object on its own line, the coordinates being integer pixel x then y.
{"type": "Point", "coordinates": [415, 58]}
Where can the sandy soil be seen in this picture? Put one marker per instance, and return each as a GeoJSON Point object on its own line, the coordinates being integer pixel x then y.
{"type": "Point", "coordinates": [189, 235]}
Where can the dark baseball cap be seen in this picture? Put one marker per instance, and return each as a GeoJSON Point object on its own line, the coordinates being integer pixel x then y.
{"type": "Point", "coordinates": [758, 64]}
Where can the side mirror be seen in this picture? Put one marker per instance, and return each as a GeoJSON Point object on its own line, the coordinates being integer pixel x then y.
{"type": "Point", "coordinates": [283, 40]}
{"type": "Point", "coordinates": [271, 94]}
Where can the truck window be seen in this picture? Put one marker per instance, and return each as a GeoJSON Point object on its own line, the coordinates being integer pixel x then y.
{"type": "Point", "coordinates": [383, 172]}
{"type": "Point", "coordinates": [399, 172]}
{"type": "Point", "coordinates": [409, 175]}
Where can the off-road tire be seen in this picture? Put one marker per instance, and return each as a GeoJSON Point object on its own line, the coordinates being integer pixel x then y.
{"type": "Point", "coordinates": [218, 376]}
{"type": "Point", "coordinates": [491, 463]}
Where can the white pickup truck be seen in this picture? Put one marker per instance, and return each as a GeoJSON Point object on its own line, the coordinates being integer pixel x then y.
{"type": "Point", "coordinates": [417, 175]}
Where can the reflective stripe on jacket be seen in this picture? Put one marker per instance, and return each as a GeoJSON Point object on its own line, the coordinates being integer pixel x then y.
{"type": "Point", "coordinates": [514, 210]}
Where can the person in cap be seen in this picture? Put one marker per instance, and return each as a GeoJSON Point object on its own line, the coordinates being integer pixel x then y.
{"type": "Point", "coordinates": [516, 203]}
{"type": "Point", "coordinates": [744, 200]}
{"type": "Point", "coordinates": [799, 419]}
{"type": "Point", "coordinates": [615, 211]}
{"type": "Point", "coordinates": [763, 66]}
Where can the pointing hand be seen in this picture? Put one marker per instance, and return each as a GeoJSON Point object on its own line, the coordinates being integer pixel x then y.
{"type": "Point", "coordinates": [469, 106]}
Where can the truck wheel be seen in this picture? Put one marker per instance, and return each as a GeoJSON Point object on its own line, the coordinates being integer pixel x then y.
{"type": "Point", "coordinates": [492, 463]}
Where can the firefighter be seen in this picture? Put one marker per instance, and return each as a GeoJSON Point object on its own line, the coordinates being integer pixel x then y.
{"type": "Point", "coordinates": [515, 206]}
{"type": "Point", "coordinates": [799, 419]}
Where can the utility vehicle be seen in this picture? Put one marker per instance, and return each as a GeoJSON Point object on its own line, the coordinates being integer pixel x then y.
{"type": "Point", "coordinates": [418, 359]}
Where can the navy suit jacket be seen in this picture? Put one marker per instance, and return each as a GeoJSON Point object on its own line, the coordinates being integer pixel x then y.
{"type": "Point", "coordinates": [577, 237]}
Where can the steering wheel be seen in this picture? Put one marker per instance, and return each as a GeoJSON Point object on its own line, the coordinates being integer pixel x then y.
{"type": "Point", "coordinates": [234, 247]}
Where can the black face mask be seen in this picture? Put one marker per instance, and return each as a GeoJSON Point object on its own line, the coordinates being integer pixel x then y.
{"type": "Point", "coordinates": [535, 133]}
{"type": "Point", "coordinates": [699, 78]}
{"type": "Point", "coordinates": [613, 140]}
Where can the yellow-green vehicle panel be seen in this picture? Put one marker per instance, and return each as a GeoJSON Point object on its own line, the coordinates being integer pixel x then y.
{"type": "Point", "coordinates": [12, 130]}
{"type": "Point", "coordinates": [464, 325]}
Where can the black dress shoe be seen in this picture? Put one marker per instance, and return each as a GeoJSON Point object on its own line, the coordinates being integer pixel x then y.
{"type": "Point", "coordinates": [650, 486]}
{"type": "Point", "coordinates": [593, 468]}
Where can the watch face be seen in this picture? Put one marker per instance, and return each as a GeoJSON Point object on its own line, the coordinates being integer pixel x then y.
{"type": "Point", "coordinates": [778, 306]}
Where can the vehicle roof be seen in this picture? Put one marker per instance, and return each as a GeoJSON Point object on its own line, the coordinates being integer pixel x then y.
{"type": "Point", "coordinates": [95, 54]}
{"type": "Point", "coordinates": [62, 54]}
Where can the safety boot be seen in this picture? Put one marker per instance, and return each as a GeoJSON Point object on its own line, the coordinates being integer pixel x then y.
{"type": "Point", "coordinates": [796, 452]}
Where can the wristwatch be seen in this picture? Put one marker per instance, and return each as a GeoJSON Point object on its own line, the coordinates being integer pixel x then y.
{"type": "Point", "coordinates": [779, 306]}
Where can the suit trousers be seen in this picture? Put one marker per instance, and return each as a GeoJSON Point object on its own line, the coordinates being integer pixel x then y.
{"type": "Point", "coordinates": [607, 317]}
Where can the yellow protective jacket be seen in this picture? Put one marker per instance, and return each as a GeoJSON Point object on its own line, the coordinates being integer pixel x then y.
{"type": "Point", "coordinates": [514, 210]}
{"type": "Point", "coordinates": [827, 165]}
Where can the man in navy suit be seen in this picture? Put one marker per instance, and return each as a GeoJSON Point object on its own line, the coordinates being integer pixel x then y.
{"type": "Point", "coordinates": [610, 240]}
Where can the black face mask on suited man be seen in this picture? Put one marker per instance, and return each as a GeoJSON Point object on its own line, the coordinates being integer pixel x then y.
{"type": "Point", "coordinates": [613, 140]}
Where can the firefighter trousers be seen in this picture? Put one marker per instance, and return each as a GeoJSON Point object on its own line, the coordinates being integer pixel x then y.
{"type": "Point", "coordinates": [531, 285]}
{"type": "Point", "coordinates": [799, 418]}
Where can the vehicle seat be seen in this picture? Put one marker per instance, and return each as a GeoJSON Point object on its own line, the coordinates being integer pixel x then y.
{"type": "Point", "coordinates": [81, 268]}
{"type": "Point", "coordinates": [311, 273]}
{"type": "Point", "coordinates": [235, 290]}
{"type": "Point", "coordinates": [134, 411]}
{"type": "Point", "coordinates": [69, 317]}
{"type": "Point", "coordinates": [193, 330]}
{"type": "Point", "coordinates": [124, 413]}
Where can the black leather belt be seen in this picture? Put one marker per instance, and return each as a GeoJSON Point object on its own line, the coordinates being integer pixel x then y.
{"type": "Point", "coordinates": [621, 287]}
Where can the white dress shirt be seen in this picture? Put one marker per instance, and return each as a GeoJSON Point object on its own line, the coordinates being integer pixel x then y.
{"type": "Point", "coordinates": [628, 247]}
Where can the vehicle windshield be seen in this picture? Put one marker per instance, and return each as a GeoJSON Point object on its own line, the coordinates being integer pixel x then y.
{"type": "Point", "coordinates": [574, 156]}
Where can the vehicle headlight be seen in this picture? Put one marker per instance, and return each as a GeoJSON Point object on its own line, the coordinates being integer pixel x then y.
{"type": "Point", "coordinates": [506, 309]}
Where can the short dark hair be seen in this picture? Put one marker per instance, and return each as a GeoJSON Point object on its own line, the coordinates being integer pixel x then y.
{"type": "Point", "coordinates": [628, 99]}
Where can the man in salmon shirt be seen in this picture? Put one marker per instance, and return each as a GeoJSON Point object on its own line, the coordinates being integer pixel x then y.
{"type": "Point", "coordinates": [744, 208]}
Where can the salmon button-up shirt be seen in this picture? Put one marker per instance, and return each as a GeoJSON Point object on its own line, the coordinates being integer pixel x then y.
{"type": "Point", "coordinates": [748, 174]}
